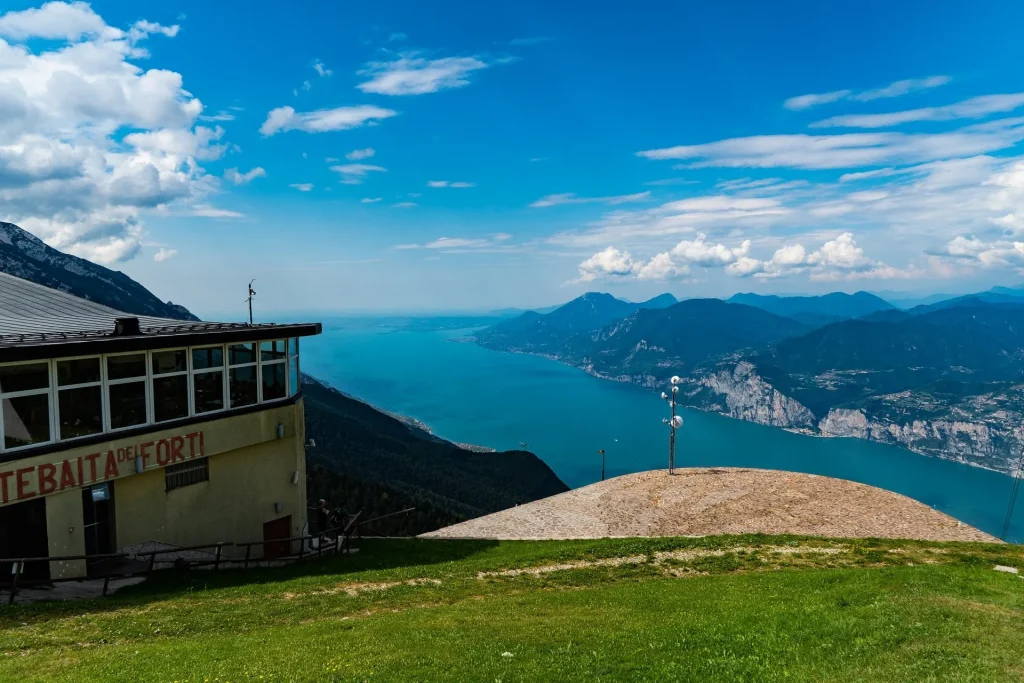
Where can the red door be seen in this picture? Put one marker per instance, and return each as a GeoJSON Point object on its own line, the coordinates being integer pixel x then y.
{"type": "Point", "coordinates": [275, 537]}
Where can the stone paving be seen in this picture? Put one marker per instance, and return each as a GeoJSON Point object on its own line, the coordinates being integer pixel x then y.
{"type": "Point", "coordinates": [709, 501]}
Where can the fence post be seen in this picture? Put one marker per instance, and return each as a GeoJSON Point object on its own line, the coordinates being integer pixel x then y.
{"type": "Point", "coordinates": [302, 549]}
{"type": "Point", "coordinates": [16, 570]}
{"type": "Point", "coordinates": [248, 551]}
{"type": "Point", "coordinates": [216, 562]}
{"type": "Point", "coordinates": [106, 579]}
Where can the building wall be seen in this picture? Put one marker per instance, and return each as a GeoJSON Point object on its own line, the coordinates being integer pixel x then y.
{"type": "Point", "coordinates": [251, 469]}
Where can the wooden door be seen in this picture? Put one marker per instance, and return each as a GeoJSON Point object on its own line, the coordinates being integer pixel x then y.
{"type": "Point", "coordinates": [278, 530]}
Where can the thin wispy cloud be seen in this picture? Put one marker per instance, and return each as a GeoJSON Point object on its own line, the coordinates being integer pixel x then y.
{"type": "Point", "coordinates": [413, 74]}
{"type": "Point", "coordinates": [974, 108]}
{"type": "Point", "coordinates": [449, 183]}
{"type": "Point", "coordinates": [404, 205]}
{"type": "Point", "coordinates": [849, 150]}
{"type": "Point", "coordinates": [233, 175]}
{"type": "Point", "coordinates": [894, 89]}
{"type": "Point", "coordinates": [302, 187]}
{"type": "Point", "coordinates": [571, 198]}
{"type": "Point", "coordinates": [463, 244]}
{"type": "Point", "coordinates": [321, 70]}
{"type": "Point", "coordinates": [357, 154]}
{"type": "Point", "coordinates": [370, 200]}
{"type": "Point", "coordinates": [353, 174]}
{"type": "Point", "coordinates": [527, 42]}
{"type": "Point", "coordinates": [219, 116]}
{"type": "Point", "coordinates": [323, 120]}
{"type": "Point", "coordinates": [163, 254]}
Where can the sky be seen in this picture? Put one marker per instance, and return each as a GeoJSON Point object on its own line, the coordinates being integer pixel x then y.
{"type": "Point", "coordinates": [408, 156]}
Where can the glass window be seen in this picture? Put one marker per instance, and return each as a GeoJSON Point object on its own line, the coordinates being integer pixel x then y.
{"type": "Point", "coordinates": [169, 361]}
{"type": "Point", "coordinates": [272, 350]}
{"type": "Point", "coordinates": [78, 371]}
{"type": "Point", "coordinates": [209, 391]}
{"type": "Point", "coordinates": [239, 354]}
{"type": "Point", "coordinates": [81, 411]}
{"type": "Point", "coordinates": [293, 347]}
{"type": "Point", "coordinates": [243, 387]}
{"type": "Point", "coordinates": [210, 357]}
{"type": "Point", "coordinates": [125, 367]}
{"type": "Point", "coordinates": [26, 420]}
{"type": "Point", "coordinates": [273, 381]}
{"type": "Point", "coordinates": [170, 398]}
{"type": "Point", "coordinates": [24, 377]}
{"type": "Point", "coordinates": [293, 376]}
{"type": "Point", "coordinates": [127, 405]}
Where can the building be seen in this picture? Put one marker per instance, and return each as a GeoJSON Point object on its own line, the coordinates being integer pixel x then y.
{"type": "Point", "coordinates": [118, 432]}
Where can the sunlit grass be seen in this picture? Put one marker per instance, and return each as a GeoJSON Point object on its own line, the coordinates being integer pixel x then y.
{"type": "Point", "coordinates": [729, 608]}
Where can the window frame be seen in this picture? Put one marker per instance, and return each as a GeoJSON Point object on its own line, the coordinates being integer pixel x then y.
{"type": "Point", "coordinates": [153, 376]}
{"type": "Point", "coordinates": [107, 383]}
{"type": "Point", "coordinates": [55, 399]}
{"type": "Point", "coordinates": [51, 395]}
{"type": "Point", "coordinates": [192, 372]}
{"type": "Point", "coordinates": [52, 390]}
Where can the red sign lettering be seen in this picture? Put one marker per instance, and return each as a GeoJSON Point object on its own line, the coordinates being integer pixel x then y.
{"type": "Point", "coordinates": [47, 482]}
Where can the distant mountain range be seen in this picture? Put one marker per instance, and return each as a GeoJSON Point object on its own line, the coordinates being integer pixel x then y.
{"type": "Point", "coordinates": [26, 256]}
{"type": "Point", "coordinates": [944, 379]}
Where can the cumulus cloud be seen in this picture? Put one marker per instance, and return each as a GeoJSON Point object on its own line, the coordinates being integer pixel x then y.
{"type": "Point", "coordinates": [413, 74]}
{"type": "Point", "coordinates": [609, 262]}
{"type": "Point", "coordinates": [449, 183]}
{"type": "Point", "coordinates": [163, 254]}
{"type": "Point", "coordinates": [992, 254]}
{"type": "Point", "coordinates": [68, 91]}
{"type": "Point", "coordinates": [570, 198]}
{"type": "Point", "coordinates": [323, 120]}
{"type": "Point", "coordinates": [357, 154]}
{"type": "Point", "coordinates": [233, 175]}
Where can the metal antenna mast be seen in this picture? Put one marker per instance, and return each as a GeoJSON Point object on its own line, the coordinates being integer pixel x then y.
{"type": "Point", "coordinates": [252, 293]}
{"type": "Point", "coordinates": [674, 423]}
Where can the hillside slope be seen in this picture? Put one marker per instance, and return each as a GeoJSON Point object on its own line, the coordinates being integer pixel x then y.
{"type": "Point", "coordinates": [24, 255]}
{"type": "Point", "coordinates": [355, 439]}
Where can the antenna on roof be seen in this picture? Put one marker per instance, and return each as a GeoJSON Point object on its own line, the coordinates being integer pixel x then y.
{"type": "Point", "coordinates": [252, 293]}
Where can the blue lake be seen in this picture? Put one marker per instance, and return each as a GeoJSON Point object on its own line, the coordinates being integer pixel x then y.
{"type": "Point", "coordinates": [472, 395]}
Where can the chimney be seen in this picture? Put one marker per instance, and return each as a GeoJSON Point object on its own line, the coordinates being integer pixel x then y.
{"type": "Point", "coordinates": [126, 327]}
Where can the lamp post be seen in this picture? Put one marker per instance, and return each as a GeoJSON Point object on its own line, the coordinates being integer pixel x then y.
{"type": "Point", "coordinates": [602, 463]}
{"type": "Point", "coordinates": [674, 423]}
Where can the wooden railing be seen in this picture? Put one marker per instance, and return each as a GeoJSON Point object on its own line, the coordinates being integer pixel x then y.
{"type": "Point", "coordinates": [17, 568]}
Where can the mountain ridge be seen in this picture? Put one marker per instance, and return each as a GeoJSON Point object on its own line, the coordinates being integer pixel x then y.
{"type": "Point", "coordinates": [26, 256]}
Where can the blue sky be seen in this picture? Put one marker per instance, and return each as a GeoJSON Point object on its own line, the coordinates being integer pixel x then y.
{"type": "Point", "coordinates": [410, 155]}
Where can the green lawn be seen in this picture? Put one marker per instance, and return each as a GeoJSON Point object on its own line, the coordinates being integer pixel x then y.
{"type": "Point", "coordinates": [748, 608]}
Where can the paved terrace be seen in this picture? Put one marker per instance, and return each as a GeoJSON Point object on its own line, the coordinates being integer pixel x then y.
{"type": "Point", "coordinates": [710, 501]}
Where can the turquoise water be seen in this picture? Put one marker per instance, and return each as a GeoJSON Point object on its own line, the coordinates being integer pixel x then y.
{"type": "Point", "coordinates": [472, 395]}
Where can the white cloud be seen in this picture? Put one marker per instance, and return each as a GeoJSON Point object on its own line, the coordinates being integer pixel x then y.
{"type": "Point", "coordinates": [570, 198]}
{"type": "Point", "coordinates": [207, 211]}
{"type": "Point", "coordinates": [321, 69]}
{"type": "Point", "coordinates": [57, 21]}
{"type": "Point", "coordinates": [219, 116]}
{"type": "Point", "coordinates": [404, 205]}
{"type": "Point", "coordinates": [898, 88]}
{"type": "Point", "coordinates": [848, 150]}
{"type": "Point", "coordinates": [839, 258]}
{"type": "Point", "coordinates": [68, 92]}
{"type": "Point", "coordinates": [163, 254]}
{"type": "Point", "coordinates": [302, 187]}
{"type": "Point", "coordinates": [411, 74]}
{"type": "Point", "coordinates": [357, 154]}
{"type": "Point", "coordinates": [449, 183]}
{"type": "Point", "coordinates": [699, 252]}
{"type": "Point", "coordinates": [353, 174]}
{"type": "Point", "coordinates": [894, 89]}
{"type": "Point", "coordinates": [397, 37]}
{"type": "Point", "coordinates": [973, 108]}
{"type": "Point", "coordinates": [994, 254]}
{"type": "Point", "coordinates": [370, 200]}
{"type": "Point", "coordinates": [661, 267]}
{"type": "Point", "coordinates": [232, 175]}
{"type": "Point", "coordinates": [609, 262]}
{"type": "Point", "coordinates": [323, 120]}
{"type": "Point", "coordinates": [806, 101]}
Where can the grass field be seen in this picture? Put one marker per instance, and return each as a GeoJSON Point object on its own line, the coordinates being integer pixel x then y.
{"type": "Point", "coordinates": [750, 608]}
